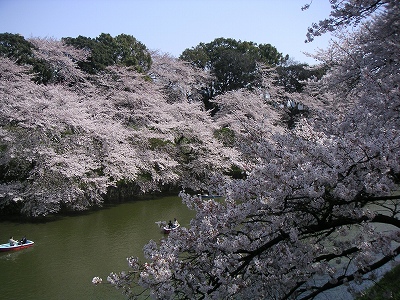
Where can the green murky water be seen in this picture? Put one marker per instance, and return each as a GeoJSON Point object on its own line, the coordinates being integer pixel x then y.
{"type": "Point", "coordinates": [70, 251]}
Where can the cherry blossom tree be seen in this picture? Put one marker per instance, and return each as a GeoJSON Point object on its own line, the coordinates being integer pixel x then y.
{"type": "Point", "coordinates": [61, 59]}
{"type": "Point", "coordinates": [65, 144]}
{"type": "Point", "coordinates": [347, 13]}
{"type": "Point", "coordinates": [318, 205]}
{"type": "Point", "coordinates": [167, 71]}
{"type": "Point", "coordinates": [106, 50]}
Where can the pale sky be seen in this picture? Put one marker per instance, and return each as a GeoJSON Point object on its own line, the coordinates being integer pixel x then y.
{"type": "Point", "coordinates": [172, 25]}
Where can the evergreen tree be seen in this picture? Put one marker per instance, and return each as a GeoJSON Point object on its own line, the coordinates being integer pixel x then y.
{"type": "Point", "coordinates": [106, 51]}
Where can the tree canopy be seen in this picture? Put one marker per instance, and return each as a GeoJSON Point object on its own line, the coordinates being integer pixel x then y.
{"type": "Point", "coordinates": [63, 146]}
{"type": "Point", "coordinates": [293, 77]}
{"type": "Point", "coordinates": [235, 64]}
{"type": "Point", "coordinates": [98, 53]}
{"type": "Point", "coordinates": [318, 207]}
{"type": "Point", "coordinates": [304, 211]}
{"type": "Point", "coordinates": [106, 50]}
{"type": "Point", "coordinates": [14, 46]}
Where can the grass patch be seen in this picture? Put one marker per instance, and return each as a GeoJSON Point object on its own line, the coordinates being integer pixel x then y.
{"type": "Point", "coordinates": [387, 288]}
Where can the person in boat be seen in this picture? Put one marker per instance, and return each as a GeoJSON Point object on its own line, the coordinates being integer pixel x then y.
{"type": "Point", "coordinates": [176, 224]}
{"type": "Point", "coordinates": [12, 241]}
{"type": "Point", "coordinates": [23, 240]}
{"type": "Point", "coordinates": [170, 225]}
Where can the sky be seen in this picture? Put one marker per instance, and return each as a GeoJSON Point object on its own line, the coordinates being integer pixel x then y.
{"type": "Point", "coordinates": [171, 26]}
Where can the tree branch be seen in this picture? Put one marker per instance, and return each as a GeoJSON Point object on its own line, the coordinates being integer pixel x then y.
{"type": "Point", "coordinates": [347, 278]}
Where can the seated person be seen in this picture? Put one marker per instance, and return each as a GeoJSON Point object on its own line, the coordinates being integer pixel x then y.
{"type": "Point", "coordinates": [23, 240]}
{"type": "Point", "coordinates": [12, 241]}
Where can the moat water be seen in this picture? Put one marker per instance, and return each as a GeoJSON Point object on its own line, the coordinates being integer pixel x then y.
{"type": "Point", "coordinates": [70, 251]}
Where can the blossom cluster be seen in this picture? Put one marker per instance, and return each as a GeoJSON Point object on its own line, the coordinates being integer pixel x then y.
{"type": "Point", "coordinates": [69, 142]}
{"type": "Point", "coordinates": [316, 207]}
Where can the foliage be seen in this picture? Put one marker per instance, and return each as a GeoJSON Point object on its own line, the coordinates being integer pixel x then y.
{"type": "Point", "coordinates": [156, 143]}
{"type": "Point", "coordinates": [226, 136]}
{"type": "Point", "coordinates": [316, 209]}
{"type": "Point", "coordinates": [106, 51]}
{"type": "Point", "coordinates": [293, 77]}
{"type": "Point", "coordinates": [205, 56]}
{"type": "Point", "coordinates": [14, 46]}
{"type": "Point", "coordinates": [235, 64]}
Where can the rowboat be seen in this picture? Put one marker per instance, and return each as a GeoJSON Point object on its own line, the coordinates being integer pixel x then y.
{"type": "Point", "coordinates": [18, 246]}
{"type": "Point", "coordinates": [167, 229]}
